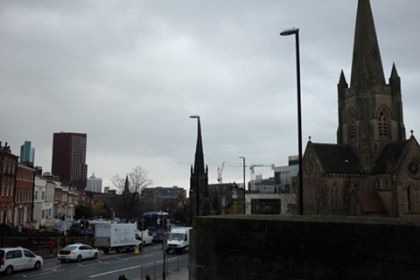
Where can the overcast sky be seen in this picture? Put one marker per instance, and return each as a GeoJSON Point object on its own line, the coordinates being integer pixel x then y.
{"type": "Point", "coordinates": [130, 73]}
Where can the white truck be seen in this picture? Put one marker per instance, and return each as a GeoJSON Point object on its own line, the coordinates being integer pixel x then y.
{"type": "Point", "coordinates": [179, 240]}
{"type": "Point", "coordinates": [118, 237]}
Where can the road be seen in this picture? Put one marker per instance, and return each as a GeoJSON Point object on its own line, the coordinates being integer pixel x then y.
{"type": "Point", "coordinates": [107, 267]}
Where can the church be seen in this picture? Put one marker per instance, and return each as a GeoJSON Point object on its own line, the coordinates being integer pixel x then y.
{"type": "Point", "coordinates": [373, 170]}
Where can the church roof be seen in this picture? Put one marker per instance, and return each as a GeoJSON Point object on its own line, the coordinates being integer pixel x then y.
{"type": "Point", "coordinates": [390, 156]}
{"type": "Point", "coordinates": [339, 159]}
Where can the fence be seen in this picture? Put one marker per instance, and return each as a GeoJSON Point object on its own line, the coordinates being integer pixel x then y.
{"type": "Point", "coordinates": [155, 270]}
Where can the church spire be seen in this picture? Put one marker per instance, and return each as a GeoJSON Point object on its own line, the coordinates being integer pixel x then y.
{"type": "Point", "coordinates": [342, 82]}
{"type": "Point", "coordinates": [126, 185]}
{"type": "Point", "coordinates": [199, 156]}
{"type": "Point", "coordinates": [394, 72]}
{"type": "Point", "coordinates": [366, 55]}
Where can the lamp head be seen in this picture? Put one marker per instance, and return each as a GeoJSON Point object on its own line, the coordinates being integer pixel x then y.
{"type": "Point", "coordinates": [289, 31]}
{"type": "Point", "coordinates": [195, 117]}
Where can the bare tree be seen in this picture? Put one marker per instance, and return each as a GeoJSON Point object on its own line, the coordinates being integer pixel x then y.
{"type": "Point", "coordinates": [138, 179]}
{"type": "Point", "coordinates": [130, 199]}
{"type": "Point", "coordinates": [118, 182]}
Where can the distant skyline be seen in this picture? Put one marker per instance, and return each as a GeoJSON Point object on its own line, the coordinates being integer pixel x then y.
{"type": "Point", "coordinates": [129, 74]}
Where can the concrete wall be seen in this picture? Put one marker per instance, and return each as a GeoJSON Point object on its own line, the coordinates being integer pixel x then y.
{"type": "Point", "coordinates": [304, 247]}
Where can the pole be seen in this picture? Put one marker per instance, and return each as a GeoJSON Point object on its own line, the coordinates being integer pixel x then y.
{"type": "Point", "coordinates": [287, 32]}
{"type": "Point", "coordinates": [197, 182]}
{"type": "Point", "coordinates": [163, 225]}
{"type": "Point", "coordinates": [300, 194]}
{"type": "Point", "coordinates": [243, 166]}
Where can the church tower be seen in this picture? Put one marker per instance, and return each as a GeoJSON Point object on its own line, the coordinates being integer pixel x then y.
{"type": "Point", "coordinates": [370, 110]}
{"type": "Point", "coordinates": [199, 180]}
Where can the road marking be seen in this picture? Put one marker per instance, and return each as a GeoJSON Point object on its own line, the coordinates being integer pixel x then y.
{"type": "Point", "coordinates": [99, 261]}
{"type": "Point", "coordinates": [114, 271]}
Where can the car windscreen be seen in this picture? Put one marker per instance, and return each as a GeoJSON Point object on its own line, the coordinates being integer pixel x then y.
{"type": "Point", "coordinates": [176, 236]}
{"type": "Point", "coordinates": [1, 253]}
{"type": "Point", "coordinates": [70, 248]}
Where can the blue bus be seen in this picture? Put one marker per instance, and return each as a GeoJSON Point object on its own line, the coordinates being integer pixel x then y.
{"type": "Point", "coordinates": [158, 223]}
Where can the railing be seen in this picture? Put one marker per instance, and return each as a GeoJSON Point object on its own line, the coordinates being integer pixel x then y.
{"type": "Point", "coordinates": [155, 270]}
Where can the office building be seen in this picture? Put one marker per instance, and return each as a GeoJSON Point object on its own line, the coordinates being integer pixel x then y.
{"type": "Point", "coordinates": [94, 184]}
{"type": "Point", "coordinates": [69, 159]}
{"type": "Point", "coordinates": [27, 154]}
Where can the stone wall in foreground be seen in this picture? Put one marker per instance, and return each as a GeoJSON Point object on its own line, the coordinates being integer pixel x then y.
{"type": "Point", "coordinates": [304, 247]}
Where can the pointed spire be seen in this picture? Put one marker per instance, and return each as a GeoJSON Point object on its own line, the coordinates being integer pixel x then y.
{"type": "Point", "coordinates": [395, 81]}
{"type": "Point", "coordinates": [342, 82]}
{"type": "Point", "coordinates": [366, 50]}
{"type": "Point", "coordinates": [199, 156]}
{"type": "Point", "coordinates": [394, 73]}
{"type": "Point", "coordinates": [126, 185]}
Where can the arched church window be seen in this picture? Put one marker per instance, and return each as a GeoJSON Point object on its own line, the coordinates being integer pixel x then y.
{"type": "Point", "coordinates": [383, 123]}
{"type": "Point", "coordinates": [409, 199]}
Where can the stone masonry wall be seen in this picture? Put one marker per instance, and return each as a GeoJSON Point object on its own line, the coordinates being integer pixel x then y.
{"type": "Point", "coordinates": [304, 247]}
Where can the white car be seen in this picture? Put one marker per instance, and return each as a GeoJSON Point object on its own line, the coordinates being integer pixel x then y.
{"type": "Point", "coordinates": [77, 252]}
{"type": "Point", "coordinates": [18, 258]}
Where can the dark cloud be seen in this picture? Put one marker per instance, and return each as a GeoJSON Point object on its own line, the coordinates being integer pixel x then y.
{"type": "Point", "coordinates": [129, 73]}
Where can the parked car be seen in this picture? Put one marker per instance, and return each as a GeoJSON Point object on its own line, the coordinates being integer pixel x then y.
{"type": "Point", "coordinates": [77, 252]}
{"type": "Point", "coordinates": [18, 258]}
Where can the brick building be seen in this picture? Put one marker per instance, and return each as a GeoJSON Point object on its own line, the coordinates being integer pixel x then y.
{"type": "Point", "coordinates": [69, 159]}
{"type": "Point", "coordinates": [24, 195]}
{"type": "Point", "coordinates": [8, 163]}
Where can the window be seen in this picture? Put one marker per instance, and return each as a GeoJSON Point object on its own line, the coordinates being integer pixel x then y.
{"type": "Point", "coordinates": [28, 254]}
{"type": "Point", "coordinates": [409, 199]}
{"type": "Point", "coordinates": [14, 254]}
{"type": "Point", "coordinates": [383, 123]}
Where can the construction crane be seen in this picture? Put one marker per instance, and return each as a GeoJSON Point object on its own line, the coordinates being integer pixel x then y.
{"type": "Point", "coordinates": [252, 169]}
{"type": "Point", "coordinates": [220, 173]}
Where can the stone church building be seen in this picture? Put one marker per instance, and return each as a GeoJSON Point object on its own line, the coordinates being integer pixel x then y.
{"type": "Point", "coordinates": [373, 169]}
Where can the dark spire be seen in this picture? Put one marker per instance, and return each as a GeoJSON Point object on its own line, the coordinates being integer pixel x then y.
{"type": "Point", "coordinates": [366, 50]}
{"type": "Point", "coordinates": [343, 82]}
{"type": "Point", "coordinates": [395, 81]}
{"type": "Point", "coordinates": [199, 156]}
{"type": "Point", "coordinates": [126, 185]}
{"type": "Point", "coordinates": [394, 73]}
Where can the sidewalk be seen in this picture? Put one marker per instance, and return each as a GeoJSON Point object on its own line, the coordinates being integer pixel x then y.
{"type": "Point", "coordinates": [182, 274]}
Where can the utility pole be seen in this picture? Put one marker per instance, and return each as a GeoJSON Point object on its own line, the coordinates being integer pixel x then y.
{"type": "Point", "coordinates": [243, 166]}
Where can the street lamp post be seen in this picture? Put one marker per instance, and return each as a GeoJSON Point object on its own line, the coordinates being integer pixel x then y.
{"type": "Point", "coordinates": [196, 191]}
{"type": "Point", "coordinates": [243, 167]}
{"type": "Point", "coordinates": [164, 244]}
{"type": "Point", "coordinates": [287, 32]}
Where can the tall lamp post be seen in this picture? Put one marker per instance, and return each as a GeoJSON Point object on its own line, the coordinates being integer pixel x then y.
{"type": "Point", "coordinates": [197, 203]}
{"type": "Point", "coordinates": [287, 32]}
{"type": "Point", "coordinates": [243, 167]}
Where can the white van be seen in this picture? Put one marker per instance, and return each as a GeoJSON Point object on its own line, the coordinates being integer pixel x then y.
{"type": "Point", "coordinates": [179, 240]}
{"type": "Point", "coordinates": [18, 258]}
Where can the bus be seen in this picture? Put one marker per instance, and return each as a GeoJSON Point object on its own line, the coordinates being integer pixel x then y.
{"type": "Point", "coordinates": [158, 223]}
